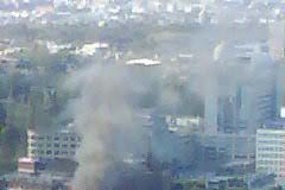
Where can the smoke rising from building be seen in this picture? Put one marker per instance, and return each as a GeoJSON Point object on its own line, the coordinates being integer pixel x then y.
{"type": "Point", "coordinates": [104, 118]}
{"type": "Point", "coordinates": [105, 110]}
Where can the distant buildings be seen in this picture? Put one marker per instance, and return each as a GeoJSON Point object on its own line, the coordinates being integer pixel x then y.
{"type": "Point", "coordinates": [44, 182]}
{"type": "Point", "coordinates": [145, 62]}
{"type": "Point", "coordinates": [229, 183]}
{"type": "Point", "coordinates": [91, 49]}
{"type": "Point", "coordinates": [229, 149]}
{"type": "Point", "coordinates": [58, 144]}
{"type": "Point", "coordinates": [237, 104]}
{"type": "Point", "coordinates": [270, 148]}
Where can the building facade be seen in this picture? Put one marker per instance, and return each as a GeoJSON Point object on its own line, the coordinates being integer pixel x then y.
{"type": "Point", "coordinates": [60, 144]}
{"type": "Point", "coordinates": [270, 148]}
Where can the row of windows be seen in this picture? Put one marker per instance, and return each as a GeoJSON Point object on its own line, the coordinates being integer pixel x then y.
{"type": "Point", "coordinates": [275, 142]}
{"type": "Point", "coordinates": [49, 138]}
{"type": "Point", "coordinates": [268, 169]}
{"type": "Point", "coordinates": [56, 145]}
{"type": "Point", "coordinates": [271, 155]}
{"type": "Point", "coordinates": [271, 135]}
{"type": "Point", "coordinates": [271, 149]}
{"type": "Point", "coordinates": [50, 152]}
{"type": "Point", "coordinates": [268, 162]}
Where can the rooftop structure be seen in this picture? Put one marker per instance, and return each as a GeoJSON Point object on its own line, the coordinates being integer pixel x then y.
{"type": "Point", "coordinates": [145, 62]}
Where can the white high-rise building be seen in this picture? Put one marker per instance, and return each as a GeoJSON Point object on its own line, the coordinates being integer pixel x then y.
{"type": "Point", "coordinates": [270, 148]}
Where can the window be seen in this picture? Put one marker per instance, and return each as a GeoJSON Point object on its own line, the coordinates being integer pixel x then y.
{"type": "Point", "coordinates": [72, 153]}
{"type": "Point", "coordinates": [33, 137]}
{"type": "Point", "coordinates": [49, 152]}
{"type": "Point", "coordinates": [73, 145]}
{"type": "Point", "coordinates": [33, 144]}
{"type": "Point", "coordinates": [56, 145]}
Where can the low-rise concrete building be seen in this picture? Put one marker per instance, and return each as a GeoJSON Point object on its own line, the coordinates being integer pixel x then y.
{"type": "Point", "coordinates": [59, 144]}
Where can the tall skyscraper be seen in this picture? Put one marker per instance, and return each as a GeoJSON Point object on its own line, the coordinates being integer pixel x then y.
{"type": "Point", "coordinates": [244, 103]}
